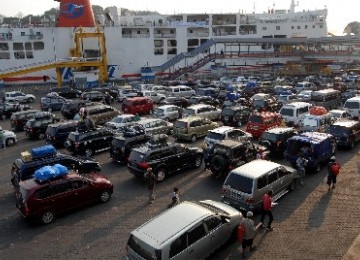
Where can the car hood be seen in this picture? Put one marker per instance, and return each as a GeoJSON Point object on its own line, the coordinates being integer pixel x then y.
{"type": "Point", "coordinates": [222, 206]}
{"type": "Point", "coordinates": [8, 133]}
{"type": "Point", "coordinates": [290, 169]}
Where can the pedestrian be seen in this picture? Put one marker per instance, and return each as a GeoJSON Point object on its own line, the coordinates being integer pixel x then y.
{"type": "Point", "coordinates": [2, 139]}
{"type": "Point", "coordinates": [137, 117]}
{"type": "Point", "coordinates": [249, 231]}
{"type": "Point", "coordinates": [266, 209]}
{"type": "Point", "coordinates": [300, 165]}
{"type": "Point", "coordinates": [174, 198]}
{"type": "Point", "coordinates": [333, 170]}
{"type": "Point", "coordinates": [150, 181]}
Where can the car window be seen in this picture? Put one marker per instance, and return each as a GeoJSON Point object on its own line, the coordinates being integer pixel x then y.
{"type": "Point", "coordinates": [196, 234]}
{"type": "Point", "coordinates": [272, 177]}
{"type": "Point", "coordinates": [178, 245]}
{"type": "Point", "coordinates": [261, 182]}
{"type": "Point", "coordinates": [212, 223]}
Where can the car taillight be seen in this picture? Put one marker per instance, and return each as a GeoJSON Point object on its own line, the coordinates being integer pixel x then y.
{"type": "Point", "coordinates": [278, 143]}
{"type": "Point", "coordinates": [143, 165]}
{"type": "Point", "coordinates": [77, 144]}
{"type": "Point", "coordinates": [31, 130]}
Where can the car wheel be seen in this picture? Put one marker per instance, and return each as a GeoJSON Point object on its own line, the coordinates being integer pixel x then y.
{"type": "Point", "coordinates": [293, 185]}
{"type": "Point", "coordinates": [47, 217]}
{"type": "Point", "coordinates": [317, 168]}
{"type": "Point", "coordinates": [198, 161]}
{"type": "Point", "coordinates": [105, 196]}
{"type": "Point", "coordinates": [239, 123]}
{"type": "Point", "coordinates": [31, 100]}
{"type": "Point", "coordinates": [10, 141]}
{"type": "Point", "coordinates": [218, 164]}
{"type": "Point", "coordinates": [41, 136]}
{"type": "Point", "coordinates": [89, 152]}
{"type": "Point", "coordinates": [193, 138]}
{"type": "Point", "coordinates": [161, 174]}
{"type": "Point", "coordinates": [352, 145]}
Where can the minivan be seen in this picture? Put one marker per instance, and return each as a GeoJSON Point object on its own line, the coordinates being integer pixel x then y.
{"type": "Point", "coordinates": [189, 230]}
{"type": "Point", "coordinates": [203, 110]}
{"type": "Point", "coordinates": [328, 98]}
{"type": "Point", "coordinates": [293, 113]}
{"type": "Point", "coordinates": [180, 91]}
{"type": "Point", "coordinates": [245, 186]}
{"type": "Point", "coordinates": [352, 106]}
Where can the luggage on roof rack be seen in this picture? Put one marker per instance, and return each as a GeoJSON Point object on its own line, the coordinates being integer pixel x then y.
{"type": "Point", "coordinates": [317, 110]}
{"type": "Point", "coordinates": [50, 172]}
{"type": "Point", "coordinates": [43, 151]}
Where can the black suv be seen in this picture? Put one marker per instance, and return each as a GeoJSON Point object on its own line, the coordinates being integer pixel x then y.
{"type": "Point", "coordinates": [235, 115]}
{"type": "Point", "coordinates": [57, 133]}
{"type": "Point", "coordinates": [346, 132]}
{"type": "Point", "coordinates": [67, 92]}
{"type": "Point", "coordinates": [230, 154]}
{"type": "Point", "coordinates": [122, 145]}
{"type": "Point", "coordinates": [270, 105]}
{"type": "Point", "coordinates": [89, 142]}
{"type": "Point", "coordinates": [275, 140]}
{"type": "Point", "coordinates": [52, 102]}
{"type": "Point", "coordinates": [165, 158]}
{"type": "Point", "coordinates": [24, 168]}
{"type": "Point", "coordinates": [36, 127]}
{"type": "Point", "coordinates": [18, 119]}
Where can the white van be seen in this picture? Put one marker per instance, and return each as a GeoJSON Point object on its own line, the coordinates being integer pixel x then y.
{"type": "Point", "coordinates": [352, 106]}
{"type": "Point", "coordinates": [304, 85]}
{"type": "Point", "coordinates": [293, 113]}
{"type": "Point", "coordinates": [180, 91]}
{"type": "Point", "coordinates": [190, 230]}
{"type": "Point", "coordinates": [317, 123]}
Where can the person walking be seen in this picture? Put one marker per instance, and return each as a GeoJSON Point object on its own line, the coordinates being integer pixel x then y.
{"type": "Point", "coordinates": [333, 169]}
{"type": "Point", "coordinates": [2, 139]}
{"type": "Point", "coordinates": [174, 198]}
{"type": "Point", "coordinates": [249, 231]}
{"type": "Point", "coordinates": [150, 181]}
{"type": "Point", "coordinates": [266, 209]}
{"type": "Point", "coordinates": [300, 165]}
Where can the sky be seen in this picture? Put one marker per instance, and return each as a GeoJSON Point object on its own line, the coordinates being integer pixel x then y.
{"type": "Point", "coordinates": [340, 13]}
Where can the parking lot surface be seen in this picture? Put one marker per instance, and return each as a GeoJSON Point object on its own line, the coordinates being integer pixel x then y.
{"type": "Point", "coordinates": [309, 223]}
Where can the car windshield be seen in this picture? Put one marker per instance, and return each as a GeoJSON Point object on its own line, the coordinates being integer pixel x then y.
{"type": "Point", "coordinates": [117, 120]}
{"type": "Point", "coordinates": [143, 250]}
{"type": "Point", "coordinates": [136, 156]}
{"type": "Point", "coordinates": [159, 111]}
{"type": "Point", "coordinates": [180, 124]}
{"type": "Point", "coordinates": [50, 130]}
{"type": "Point", "coordinates": [352, 105]}
{"type": "Point", "coordinates": [294, 146]}
{"type": "Point", "coordinates": [270, 136]}
{"type": "Point", "coordinates": [259, 103]}
{"type": "Point", "coordinates": [215, 136]}
{"type": "Point", "coordinates": [256, 119]}
{"type": "Point", "coordinates": [189, 111]}
{"type": "Point", "coordinates": [227, 111]}
{"type": "Point", "coordinates": [118, 142]}
{"type": "Point", "coordinates": [336, 114]}
{"type": "Point", "coordinates": [309, 121]}
{"type": "Point", "coordinates": [283, 98]}
{"type": "Point", "coordinates": [287, 112]}
{"type": "Point", "coordinates": [239, 183]}
{"type": "Point", "coordinates": [338, 130]}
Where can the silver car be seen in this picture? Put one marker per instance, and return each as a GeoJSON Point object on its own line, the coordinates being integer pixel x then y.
{"type": "Point", "coordinates": [167, 112]}
{"type": "Point", "coordinates": [156, 126]}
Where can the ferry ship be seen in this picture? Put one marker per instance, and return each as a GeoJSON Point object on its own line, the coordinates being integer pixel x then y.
{"type": "Point", "coordinates": [140, 46]}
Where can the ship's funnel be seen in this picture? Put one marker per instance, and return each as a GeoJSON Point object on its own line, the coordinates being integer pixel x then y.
{"type": "Point", "coordinates": [76, 13]}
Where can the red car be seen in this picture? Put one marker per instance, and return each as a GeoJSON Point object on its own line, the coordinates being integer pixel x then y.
{"type": "Point", "coordinates": [43, 201]}
{"type": "Point", "coordinates": [137, 105]}
{"type": "Point", "coordinates": [259, 122]}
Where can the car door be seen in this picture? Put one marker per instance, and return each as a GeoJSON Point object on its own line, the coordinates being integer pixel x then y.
{"type": "Point", "coordinates": [199, 243]}
{"type": "Point", "coordinates": [274, 183]}
{"type": "Point", "coordinates": [82, 192]}
{"type": "Point", "coordinates": [217, 231]}
{"type": "Point", "coordinates": [62, 198]}
{"type": "Point", "coordinates": [182, 157]}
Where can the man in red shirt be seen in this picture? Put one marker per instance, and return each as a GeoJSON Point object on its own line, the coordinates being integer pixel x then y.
{"type": "Point", "coordinates": [266, 209]}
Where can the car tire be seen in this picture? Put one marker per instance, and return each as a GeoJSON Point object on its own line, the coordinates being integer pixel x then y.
{"type": "Point", "coordinates": [198, 161]}
{"type": "Point", "coordinates": [292, 185]}
{"type": "Point", "coordinates": [41, 136]}
{"type": "Point", "coordinates": [161, 174]}
{"type": "Point", "coordinates": [10, 141]}
{"type": "Point", "coordinates": [218, 164]}
{"type": "Point", "coordinates": [31, 100]}
{"type": "Point", "coordinates": [47, 217]}
{"type": "Point", "coordinates": [89, 152]}
{"type": "Point", "coordinates": [352, 145]}
{"type": "Point", "coordinates": [105, 196]}
{"type": "Point", "coordinates": [317, 168]}
{"type": "Point", "coordinates": [193, 138]}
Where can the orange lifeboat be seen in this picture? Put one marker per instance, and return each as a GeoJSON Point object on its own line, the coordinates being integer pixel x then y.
{"type": "Point", "coordinates": [317, 111]}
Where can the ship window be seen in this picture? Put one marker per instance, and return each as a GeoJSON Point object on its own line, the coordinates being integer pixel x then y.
{"type": "Point", "coordinates": [4, 46]}
{"type": "Point", "coordinates": [203, 41]}
{"type": "Point", "coordinates": [278, 28]}
{"type": "Point", "coordinates": [321, 26]}
{"type": "Point", "coordinates": [313, 26]}
{"type": "Point", "coordinates": [159, 51]}
{"type": "Point", "coordinates": [171, 31]}
{"type": "Point", "coordinates": [171, 43]}
{"type": "Point", "coordinates": [4, 56]}
{"type": "Point", "coordinates": [158, 43]}
{"type": "Point", "coordinates": [191, 31]}
{"type": "Point", "coordinates": [193, 42]}
{"type": "Point", "coordinates": [264, 28]}
{"type": "Point", "coordinates": [306, 26]}
{"type": "Point", "coordinates": [38, 45]}
{"type": "Point", "coordinates": [19, 55]}
{"type": "Point", "coordinates": [298, 27]}
{"type": "Point", "coordinates": [28, 46]}
{"type": "Point", "coordinates": [172, 51]}
{"type": "Point", "coordinates": [18, 46]}
{"type": "Point", "coordinates": [22, 33]}
{"type": "Point", "coordinates": [29, 55]}
{"type": "Point", "coordinates": [292, 27]}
